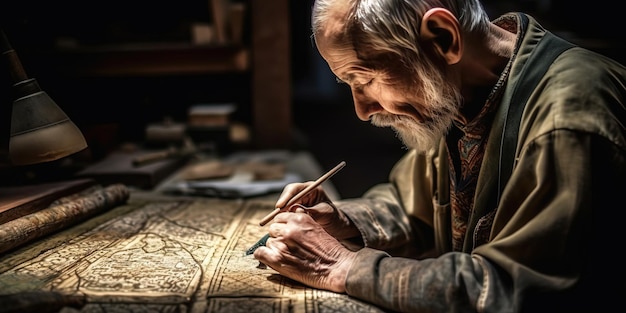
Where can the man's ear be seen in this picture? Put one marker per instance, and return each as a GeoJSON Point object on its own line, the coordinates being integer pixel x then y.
{"type": "Point", "coordinates": [442, 28]}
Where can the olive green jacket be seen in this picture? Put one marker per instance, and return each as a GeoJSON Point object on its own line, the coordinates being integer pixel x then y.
{"type": "Point", "coordinates": [554, 234]}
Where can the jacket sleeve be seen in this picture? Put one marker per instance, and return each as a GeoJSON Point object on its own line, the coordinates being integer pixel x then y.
{"type": "Point", "coordinates": [397, 216]}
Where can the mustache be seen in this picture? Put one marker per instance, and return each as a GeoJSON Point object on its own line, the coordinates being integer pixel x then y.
{"type": "Point", "coordinates": [388, 120]}
{"type": "Point", "coordinates": [384, 120]}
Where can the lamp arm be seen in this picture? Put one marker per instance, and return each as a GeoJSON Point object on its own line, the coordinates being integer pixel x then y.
{"type": "Point", "coordinates": [15, 65]}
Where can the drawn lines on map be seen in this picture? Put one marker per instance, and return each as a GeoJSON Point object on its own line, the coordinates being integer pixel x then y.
{"type": "Point", "coordinates": [170, 256]}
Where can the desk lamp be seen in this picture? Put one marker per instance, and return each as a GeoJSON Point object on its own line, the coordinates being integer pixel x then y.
{"type": "Point", "coordinates": [40, 130]}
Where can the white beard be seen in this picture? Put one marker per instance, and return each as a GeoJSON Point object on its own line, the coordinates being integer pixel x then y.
{"type": "Point", "coordinates": [422, 136]}
{"type": "Point", "coordinates": [419, 136]}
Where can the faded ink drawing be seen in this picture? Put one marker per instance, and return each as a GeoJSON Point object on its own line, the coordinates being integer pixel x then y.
{"type": "Point", "coordinates": [156, 255]}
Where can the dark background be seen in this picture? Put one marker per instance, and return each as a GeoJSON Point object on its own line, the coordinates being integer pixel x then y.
{"type": "Point", "coordinates": [323, 114]}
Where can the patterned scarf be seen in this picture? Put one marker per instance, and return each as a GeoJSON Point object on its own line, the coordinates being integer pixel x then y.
{"type": "Point", "coordinates": [466, 145]}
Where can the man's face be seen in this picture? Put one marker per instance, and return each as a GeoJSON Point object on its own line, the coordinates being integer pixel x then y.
{"type": "Point", "coordinates": [391, 95]}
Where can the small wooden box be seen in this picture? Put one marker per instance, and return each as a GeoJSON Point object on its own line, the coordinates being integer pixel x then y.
{"type": "Point", "coordinates": [210, 115]}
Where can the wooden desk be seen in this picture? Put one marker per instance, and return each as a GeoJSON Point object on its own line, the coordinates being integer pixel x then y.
{"type": "Point", "coordinates": [160, 253]}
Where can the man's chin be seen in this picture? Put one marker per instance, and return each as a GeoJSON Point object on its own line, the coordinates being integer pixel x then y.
{"type": "Point", "coordinates": [422, 143]}
{"type": "Point", "coordinates": [413, 136]}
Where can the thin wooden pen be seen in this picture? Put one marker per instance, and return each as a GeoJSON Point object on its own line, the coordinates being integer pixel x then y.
{"type": "Point", "coordinates": [304, 191]}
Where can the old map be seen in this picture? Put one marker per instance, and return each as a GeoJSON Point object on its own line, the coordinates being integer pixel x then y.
{"type": "Point", "coordinates": [163, 255]}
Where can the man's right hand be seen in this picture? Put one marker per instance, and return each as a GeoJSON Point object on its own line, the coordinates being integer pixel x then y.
{"type": "Point", "coordinates": [299, 248]}
{"type": "Point", "coordinates": [318, 205]}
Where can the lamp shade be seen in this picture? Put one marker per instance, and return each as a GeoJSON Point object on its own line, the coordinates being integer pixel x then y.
{"type": "Point", "coordinates": [40, 130]}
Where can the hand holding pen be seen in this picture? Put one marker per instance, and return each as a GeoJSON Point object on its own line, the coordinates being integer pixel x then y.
{"type": "Point", "coordinates": [303, 192]}
{"type": "Point", "coordinates": [286, 200]}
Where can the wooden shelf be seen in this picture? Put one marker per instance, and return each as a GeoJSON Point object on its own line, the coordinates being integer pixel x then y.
{"type": "Point", "coordinates": [266, 56]}
{"type": "Point", "coordinates": [148, 59]}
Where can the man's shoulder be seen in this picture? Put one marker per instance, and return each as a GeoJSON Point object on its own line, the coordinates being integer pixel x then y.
{"type": "Point", "coordinates": [581, 65]}
{"type": "Point", "coordinates": [581, 91]}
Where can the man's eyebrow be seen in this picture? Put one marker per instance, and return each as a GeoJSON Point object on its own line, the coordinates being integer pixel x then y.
{"type": "Point", "coordinates": [346, 80]}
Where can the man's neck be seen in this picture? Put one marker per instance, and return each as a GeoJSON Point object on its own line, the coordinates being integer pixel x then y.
{"type": "Point", "coordinates": [484, 60]}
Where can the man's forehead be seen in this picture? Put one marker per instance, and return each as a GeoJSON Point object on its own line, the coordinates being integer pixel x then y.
{"type": "Point", "coordinates": [334, 26]}
{"type": "Point", "coordinates": [335, 43]}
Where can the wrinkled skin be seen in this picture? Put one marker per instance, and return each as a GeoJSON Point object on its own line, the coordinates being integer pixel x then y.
{"type": "Point", "coordinates": [305, 239]}
{"type": "Point", "coordinates": [303, 244]}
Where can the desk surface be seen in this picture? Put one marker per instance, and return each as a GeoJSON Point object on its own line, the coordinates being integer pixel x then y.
{"type": "Point", "coordinates": [166, 255]}
{"type": "Point", "coordinates": [160, 253]}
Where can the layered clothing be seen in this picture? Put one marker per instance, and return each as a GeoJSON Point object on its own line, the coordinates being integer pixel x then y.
{"type": "Point", "coordinates": [545, 239]}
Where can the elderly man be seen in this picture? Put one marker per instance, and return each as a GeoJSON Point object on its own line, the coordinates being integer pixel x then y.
{"type": "Point", "coordinates": [510, 197]}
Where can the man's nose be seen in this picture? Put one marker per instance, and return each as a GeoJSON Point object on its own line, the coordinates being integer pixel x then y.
{"type": "Point", "coordinates": [365, 107]}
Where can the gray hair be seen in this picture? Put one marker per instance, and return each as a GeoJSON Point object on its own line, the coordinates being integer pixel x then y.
{"type": "Point", "coordinates": [393, 25]}
{"type": "Point", "coordinates": [385, 35]}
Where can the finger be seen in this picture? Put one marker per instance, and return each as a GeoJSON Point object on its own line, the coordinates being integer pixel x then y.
{"type": "Point", "coordinates": [321, 209]}
{"type": "Point", "coordinates": [296, 218]}
{"type": "Point", "coordinates": [274, 230]}
{"type": "Point", "coordinates": [272, 253]}
{"type": "Point", "coordinates": [297, 208]}
{"type": "Point", "coordinates": [266, 255]}
{"type": "Point", "coordinates": [289, 192]}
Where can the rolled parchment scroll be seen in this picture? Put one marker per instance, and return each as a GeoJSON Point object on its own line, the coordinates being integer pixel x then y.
{"type": "Point", "coordinates": [63, 212]}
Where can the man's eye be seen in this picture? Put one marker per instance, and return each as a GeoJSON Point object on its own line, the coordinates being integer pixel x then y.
{"type": "Point", "coordinates": [367, 83]}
